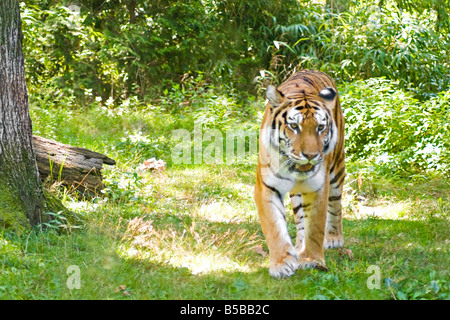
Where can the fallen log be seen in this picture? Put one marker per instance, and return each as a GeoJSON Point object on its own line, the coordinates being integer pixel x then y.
{"type": "Point", "coordinates": [76, 167]}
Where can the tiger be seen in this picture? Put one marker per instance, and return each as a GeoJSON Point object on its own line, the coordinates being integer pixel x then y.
{"type": "Point", "coordinates": [301, 153]}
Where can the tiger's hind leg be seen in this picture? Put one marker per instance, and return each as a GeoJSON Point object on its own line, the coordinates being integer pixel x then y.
{"type": "Point", "coordinates": [314, 207]}
{"type": "Point", "coordinates": [333, 228]}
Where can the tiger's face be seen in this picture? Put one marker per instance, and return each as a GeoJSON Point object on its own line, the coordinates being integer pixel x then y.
{"type": "Point", "coordinates": [303, 126]}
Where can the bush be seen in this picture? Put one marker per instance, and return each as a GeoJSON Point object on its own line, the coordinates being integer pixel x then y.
{"type": "Point", "coordinates": [393, 130]}
{"type": "Point", "coordinates": [364, 42]}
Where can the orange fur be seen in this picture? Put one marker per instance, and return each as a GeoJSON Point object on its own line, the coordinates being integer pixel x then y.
{"type": "Point", "coordinates": [301, 153]}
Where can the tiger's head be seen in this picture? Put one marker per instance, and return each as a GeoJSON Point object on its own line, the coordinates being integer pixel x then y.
{"type": "Point", "coordinates": [302, 126]}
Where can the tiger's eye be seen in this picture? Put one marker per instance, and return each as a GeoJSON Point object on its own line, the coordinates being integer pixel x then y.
{"type": "Point", "coordinates": [294, 126]}
{"type": "Point", "coordinates": [321, 127]}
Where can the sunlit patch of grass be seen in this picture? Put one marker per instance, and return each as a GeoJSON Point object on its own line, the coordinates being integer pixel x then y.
{"type": "Point", "coordinates": [369, 194]}
{"type": "Point", "coordinates": [381, 209]}
{"type": "Point", "coordinates": [199, 247]}
{"type": "Point", "coordinates": [219, 211]}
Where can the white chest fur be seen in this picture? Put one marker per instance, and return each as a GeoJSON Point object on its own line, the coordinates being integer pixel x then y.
{"type": "Point", "coordinates": [311, 183]}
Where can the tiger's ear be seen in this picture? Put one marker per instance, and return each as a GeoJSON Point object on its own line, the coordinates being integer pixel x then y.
{"type": "Point", "coordinates": [275, 96]}
{"type": "Point", "coordinates": [328, 94]}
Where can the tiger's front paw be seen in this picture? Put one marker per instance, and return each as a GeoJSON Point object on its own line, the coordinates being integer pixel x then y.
{"type": "Point", "coordinates": [285, 268]}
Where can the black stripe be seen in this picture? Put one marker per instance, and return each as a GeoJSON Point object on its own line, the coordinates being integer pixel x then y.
{"type": "Point", "coordinates": [337, 176]}
{"type": "Point", "coordinates": [291, 254]}
{"type": "Point", "coordinates": [304, 206]}
{"type": "Point", "coordinates": [315, 103]}
{"type": "Point", "coordinates": [327, 145]}
{"type": "Point", "coordinates": [284, 116]}
{"type": "Point", "coordinates": [307, 80]}
{"type": "Point", "coordinates": [332, 167]}
{"type": "Point", "coordinates": [340, 162]}
{"type": "Point", "coordinates": [296, 209]}
{"type": "Point", "coordinates": [275, 115]}
{"type": "Point", "coordinates": [336, 214]}
{"type": "Point", "coordinates": [335, 198]}
{"type": "Point", "coordinates": [340, 182]}
{"type": "Point", "coordinates": [276, 191]}
{"type": "Point", "coordinates": [274, 124]}
{"type": "Point", "coordinates": [286, 141]}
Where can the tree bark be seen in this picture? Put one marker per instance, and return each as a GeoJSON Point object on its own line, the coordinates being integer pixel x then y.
{"type": "Point", "coordinates": [132, 10]}
{"type": "Point", "coordinates": [21, 194]}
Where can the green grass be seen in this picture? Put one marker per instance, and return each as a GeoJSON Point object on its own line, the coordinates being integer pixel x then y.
{"type": "Point", "coordinates": [192, 232]}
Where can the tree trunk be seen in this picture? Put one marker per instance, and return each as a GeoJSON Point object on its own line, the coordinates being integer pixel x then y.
{"type": "Point", "coordinates": [21, 195]}
{"type": "Point", "coordinates": [132, 10]}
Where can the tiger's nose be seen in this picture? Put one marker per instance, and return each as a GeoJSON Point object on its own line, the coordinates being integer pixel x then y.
{"type": "Point", "coordinates": [310, 156]}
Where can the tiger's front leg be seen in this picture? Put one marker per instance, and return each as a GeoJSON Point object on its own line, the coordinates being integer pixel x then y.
{"type": "Point", "coordinates": [315, 204]}
{"type": "Point", "coordinates": [282, 255]}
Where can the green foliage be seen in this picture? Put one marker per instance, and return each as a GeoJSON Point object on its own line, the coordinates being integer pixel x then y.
{"type": "Point", "coordinates": [364, 42]}
{"type": "Point", "coordinates": [66, 59]}
{"type": "Point", "coordinates": [441, 7]}
{"type": "Point", "coordinates": [394, 130]}
{"type": "Point", "coordinates": [98, 52]}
